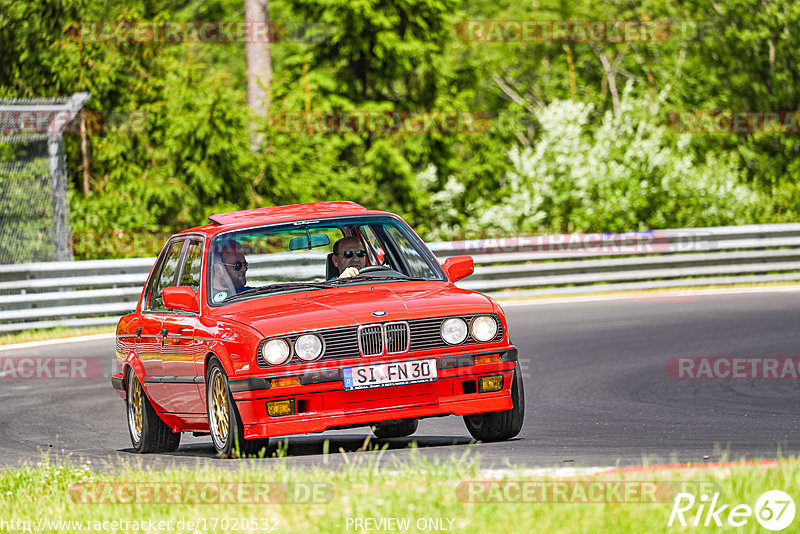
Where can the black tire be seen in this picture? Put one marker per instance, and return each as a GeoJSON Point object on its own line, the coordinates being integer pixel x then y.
{"type": "Point", "coordinates": [224, 422]}
{"type": "Point", "coordinates": [498, 426]}
{"type": "Point", "coordinates": [395, 429]}
{"type": "Point", "coordinates": [148, 432]}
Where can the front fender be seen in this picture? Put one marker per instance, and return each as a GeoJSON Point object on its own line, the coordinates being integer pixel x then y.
{"type": "Point", "coordinates": [234, 344]}
{"type": "Point", "coordinates": [132, 364]}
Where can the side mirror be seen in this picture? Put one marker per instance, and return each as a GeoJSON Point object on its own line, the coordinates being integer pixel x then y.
{"type": "Point", "coordinates": [457, 267]}
{"type": "Point", "coordinates": [182, 298]}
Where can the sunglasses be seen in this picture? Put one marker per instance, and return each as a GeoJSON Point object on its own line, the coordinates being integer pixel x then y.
{"type": "Point", "coordinates": [238, 265]}
{"type": "Point", "coordinates": [350, 253]}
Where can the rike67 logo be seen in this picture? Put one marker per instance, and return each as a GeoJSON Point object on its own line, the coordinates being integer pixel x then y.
{"type": "Point", "coordinates": [774, 510]}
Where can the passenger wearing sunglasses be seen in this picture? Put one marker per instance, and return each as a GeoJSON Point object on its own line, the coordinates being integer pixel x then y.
{"type": "Point", "coordinates": [349, 256]}
{"type": "Point", "coordinates": [230, 271]}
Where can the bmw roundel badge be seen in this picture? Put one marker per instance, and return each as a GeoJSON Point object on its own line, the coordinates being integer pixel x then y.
{"type": "Point", "coordinates": [379, 313]}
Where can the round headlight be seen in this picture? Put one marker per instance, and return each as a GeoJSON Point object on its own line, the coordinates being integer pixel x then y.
{"type": "Point", "coordinates": [454, 331]}
{"type": "Point", "coordinates": [276, 351]}
{"type": "Point", "coordinates": [484, 328]}
{"type": "Point", "coordinates": [308, 347]}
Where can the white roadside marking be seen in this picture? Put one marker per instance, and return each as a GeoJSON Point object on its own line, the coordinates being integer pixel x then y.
{"type": "Point", "coordinates": [646, 294]}
{"type": "Point", "coordinates": [34, 344]}
{"type": "Point", "coordinates": [557, 472]}
{"type": "Point", "coordinates": [553, 472]}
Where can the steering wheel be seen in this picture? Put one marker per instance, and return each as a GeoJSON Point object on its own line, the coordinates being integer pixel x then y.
{"type": "Point", "coordinates": [374, 268]}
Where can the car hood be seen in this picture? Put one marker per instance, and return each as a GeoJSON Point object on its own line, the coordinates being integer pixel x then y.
{"type": "Point", "coordinates": [354, 305]}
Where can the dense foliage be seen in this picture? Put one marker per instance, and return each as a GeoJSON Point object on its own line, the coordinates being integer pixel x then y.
{"type": "Point", "coordinates": [579, 137]}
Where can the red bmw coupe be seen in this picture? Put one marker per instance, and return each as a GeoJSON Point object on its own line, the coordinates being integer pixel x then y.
{"type": "Point", "coordinates": [304, 318]}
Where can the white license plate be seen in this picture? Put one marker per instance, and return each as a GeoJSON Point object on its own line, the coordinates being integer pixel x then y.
{"type": "Point", "coordinates": [390, 374]}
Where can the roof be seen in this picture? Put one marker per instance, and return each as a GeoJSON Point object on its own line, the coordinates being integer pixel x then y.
{"type": "Point", "coordinates": [284, 213]}
{"type": "Point", "coordinates": [279, 214]}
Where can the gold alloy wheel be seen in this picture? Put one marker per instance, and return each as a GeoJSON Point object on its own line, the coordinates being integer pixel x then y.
{"type": "Point", "coordinates": [219, 404]}
{"type": "Point", "coordinates": [136, 407]}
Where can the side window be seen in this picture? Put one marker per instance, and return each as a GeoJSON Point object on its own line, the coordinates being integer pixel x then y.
{"type": "Point", "coordinates": [166, 277]}
{"type": "Point", "coordinates": [373, 243]}
{"type": "Point", "coordinates": [416, 261]}
{"type": "Point", "coordinates": [191, 270]}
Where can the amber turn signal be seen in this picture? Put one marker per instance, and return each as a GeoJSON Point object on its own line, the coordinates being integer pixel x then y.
{"type": "Point", "coordinates": [285, 381]}
{"type": "Point", "coordinates": [487, 358]}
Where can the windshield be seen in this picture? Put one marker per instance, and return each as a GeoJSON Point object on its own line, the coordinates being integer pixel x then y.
{"type": "Point", "coordinates": [309, 255]}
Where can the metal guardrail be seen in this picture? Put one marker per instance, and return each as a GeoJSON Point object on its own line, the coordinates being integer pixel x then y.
{"type": "Point", "coordinates": [97, 292]}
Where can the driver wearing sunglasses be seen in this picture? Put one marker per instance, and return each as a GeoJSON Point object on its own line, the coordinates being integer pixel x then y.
{"type": "Point", "coordinates": [230, 272]}
{"type": "Point", "coordinates": [349, 256]}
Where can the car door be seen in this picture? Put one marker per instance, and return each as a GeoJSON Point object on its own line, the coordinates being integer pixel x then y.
{"type": "Point", "coordinates": [151, 336]}
{"type": "Point", "coordinates": [180, 347]}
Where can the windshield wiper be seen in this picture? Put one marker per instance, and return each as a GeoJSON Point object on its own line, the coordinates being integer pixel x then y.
{"type": "Point", "coordinates": [273, 288]}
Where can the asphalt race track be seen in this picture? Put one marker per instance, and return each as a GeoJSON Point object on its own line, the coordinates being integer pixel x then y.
{"type": "Point", "coordinates": [597, 392]}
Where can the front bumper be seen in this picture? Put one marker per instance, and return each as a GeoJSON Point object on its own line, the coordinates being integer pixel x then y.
{"type": "Point", "coordinates": [322, 403]}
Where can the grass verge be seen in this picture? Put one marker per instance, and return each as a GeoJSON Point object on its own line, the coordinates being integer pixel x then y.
{"type": "Point", "coordinates": [54, 333]}
{"type": "Point", "coordinates": [421, 495]}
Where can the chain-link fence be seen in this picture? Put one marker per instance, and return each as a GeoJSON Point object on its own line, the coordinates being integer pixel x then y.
{"type": "Point", "coordinates": [34, 209]}
{"type": "Point", "coordinates": [26, 200]}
